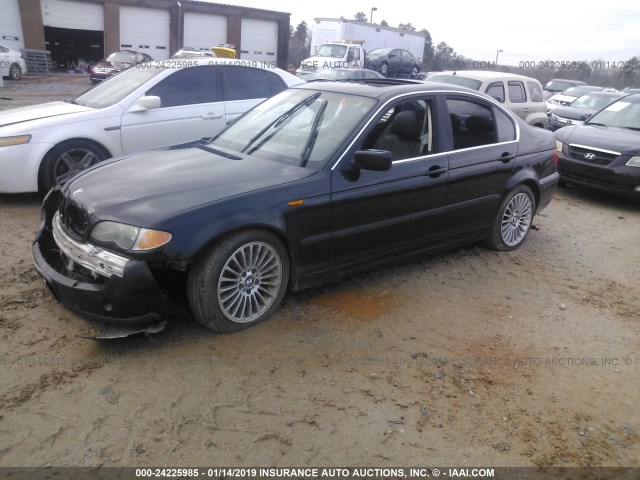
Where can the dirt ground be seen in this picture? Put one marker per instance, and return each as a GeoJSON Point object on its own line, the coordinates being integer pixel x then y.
{"type": "Point", "coordinates": [529, 358]}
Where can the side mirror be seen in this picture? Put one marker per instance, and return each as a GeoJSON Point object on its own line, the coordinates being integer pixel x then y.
{"type": "Point", "coordinates": [146, 103]}
{"type": "Point", "coordinates": [375, 160]}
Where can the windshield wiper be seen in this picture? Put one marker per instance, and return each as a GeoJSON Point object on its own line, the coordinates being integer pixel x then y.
{"type": "Point", "coordinates": [278, 121]}
{"type": "Point", "coordinates": [597, 124]}
{"type": "Point", "coordinates": [635, 129]}
{"type": "Point", "coordinates": [313, 135]}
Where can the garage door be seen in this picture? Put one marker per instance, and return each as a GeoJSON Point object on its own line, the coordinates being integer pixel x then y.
{"type": "Point", "coordinates": [145, 30]}
{"type": "Point", "coordinates": [10, 26]}
{"type": "Point", "coordinates": [74, 15]}
{"type": "Point", "coordinates": [203, 31]}
{"type": "Point", "coordinates": [259, 40]}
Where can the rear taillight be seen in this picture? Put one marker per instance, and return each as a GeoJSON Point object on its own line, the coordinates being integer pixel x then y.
{"type": "Point", "coordinates": [555, 156]}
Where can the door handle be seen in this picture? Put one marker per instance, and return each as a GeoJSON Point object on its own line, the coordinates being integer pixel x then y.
{"type": "Point", "coordinates": [211, 116]}
{"type": "Point", "coordinates": [435, 171]}
{"type": "Point", "coordinates": [506, 157]}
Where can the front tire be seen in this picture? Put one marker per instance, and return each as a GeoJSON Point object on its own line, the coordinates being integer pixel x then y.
{"type": "Point", "coordinates": [513, 221]}
{"type": "Point", "coordinates": [384, 68]}
{"type": "Point", "coordinates": [239, 282]}
{"type": "Point", "coordinates": [414, 71]}
{"type": "Point", "coordinates": [67, 159]}
{"type": "Point", "coordinates": [15, 72]}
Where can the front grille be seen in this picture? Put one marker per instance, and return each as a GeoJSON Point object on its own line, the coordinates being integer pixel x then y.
{"type": "Point", "coordinates": [590, 155]}
{"type": "Point", "coordinates": [599, 182]}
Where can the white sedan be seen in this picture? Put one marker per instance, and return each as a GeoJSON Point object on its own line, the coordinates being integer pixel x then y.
{"type": "Point", "coordinates": [12, 64]}
{"type": "Point", "coordinates": [153, 105]}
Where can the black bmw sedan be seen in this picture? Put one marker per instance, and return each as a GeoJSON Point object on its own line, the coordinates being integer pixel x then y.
{"type": "Point", "coordinates": [604, 152]}
{"type": "Point", "coordinates": [321, 181]}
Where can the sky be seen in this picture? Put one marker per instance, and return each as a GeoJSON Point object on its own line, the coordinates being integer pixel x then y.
{"type": "Point", "coordinates": [562, 30]}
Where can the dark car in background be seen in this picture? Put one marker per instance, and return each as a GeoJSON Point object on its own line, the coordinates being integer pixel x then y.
{"type": "Point", "coordinates": [115, 63]}
{"type": "Point", "coordinates": [581, 109]}
{"type": "Point", "coordinates": [558, 85]}
{"type": "Point", "coordinates": [343, 74]}
{"type": "Point", "coordinates": [392, 61]}
{"type": "Point", "coordinates": [604, 152]}
{"type": "Point", "coordinates": [324, 180]}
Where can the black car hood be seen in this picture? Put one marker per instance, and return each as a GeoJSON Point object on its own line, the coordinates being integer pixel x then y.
{"type": "Point", "coordinates": [154, 185]}
{"type": "Point", "coordinates": [572, 112]}
{"type": "Point", "coordinates": [622, 140]}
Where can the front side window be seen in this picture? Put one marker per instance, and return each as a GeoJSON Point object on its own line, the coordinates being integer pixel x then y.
{"type": "Point", "coordinates": [406, 130]}
{"type": "Point", "coordinates": [472, 123]}
{"type": "Point", "coordinates": [189, 86]}
{"type": "Point", "coordinates": [516, 92]}
{"type": "Point", "coordinates": [299, 126]}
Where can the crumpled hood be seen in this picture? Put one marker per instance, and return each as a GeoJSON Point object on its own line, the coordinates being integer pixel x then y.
{"type": "Point", "coordinates": [150, 187]}
{"type": "Point", "coordinates": [35, 112]}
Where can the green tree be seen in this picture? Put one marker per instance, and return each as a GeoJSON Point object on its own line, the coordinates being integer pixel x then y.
{"type": "Point", "coordinates": [384, 23]}
{"type": "Point", "coordinates": [629, 75]}
{"type": "Point", "coordinates": [407, 26]}
{"type": "Point", "coordinates": [427, 53]}
{"type": "Point", "coordinates": [444, 57]}
{"type": "Point", "coordinates": [360, 17]}
{"type": "Point", "coordinates": [299, 44]}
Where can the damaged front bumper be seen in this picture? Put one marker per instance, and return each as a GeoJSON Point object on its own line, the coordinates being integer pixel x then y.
{"type": "Point", "coordinates": [97, 284]}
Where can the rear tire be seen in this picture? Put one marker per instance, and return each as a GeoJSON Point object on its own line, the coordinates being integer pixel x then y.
{"type": "Point", "coordinates": [384, 68]}
{"type": "Point", "coordinates": [239, 282]}
{"type": "Point", "coordinates": [513, 221]}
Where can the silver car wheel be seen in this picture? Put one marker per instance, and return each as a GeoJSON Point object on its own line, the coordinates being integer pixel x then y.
{"type": "Point", "coordinates": [516, 219]}
{"type": "Point", "coordinates": [72, 162]}
{"type": "Point", "coordinates": [249, 282]}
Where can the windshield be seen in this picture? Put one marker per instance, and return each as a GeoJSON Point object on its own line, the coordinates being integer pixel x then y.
{"type": "Point", "coordinates": [593, 101]}
{"type": "Point", "coordinates": [113, 90]}
{"type": "Point", "coordinates": [379, 51]}
{"type": "Point", "coordinates": [122, 57]}
{"type": "Point", "coordinates": [335, 74]}
{"type": "Point", "coordinates": [330, 50]}
{"type": "Point", "coordinates": [300, 127]}
{"type": "Point", "coordinates": [456, 80]}
{"type": "Point", "coordinates": [625, 113]}
{"type": "Point", "coordinates": [579, 91]}
{"type": "Point", "coordinates": [559, 85]}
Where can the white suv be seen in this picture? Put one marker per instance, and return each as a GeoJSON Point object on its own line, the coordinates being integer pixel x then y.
{"type": "Point", "coordinates": [522, 95]}
{"type": "Point", "coordinates": [12, 64]}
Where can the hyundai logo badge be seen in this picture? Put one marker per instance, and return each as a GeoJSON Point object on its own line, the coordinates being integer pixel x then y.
{"type": "Point", "coordinates": [589, 156]}
{"type": "Point", "coordinates": [77, 192]}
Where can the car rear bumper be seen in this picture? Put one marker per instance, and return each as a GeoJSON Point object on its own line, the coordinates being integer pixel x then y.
{"type": "Point", "coordinates": [622, 180]}
{"type": "Point", "coordinates": [132, 300]}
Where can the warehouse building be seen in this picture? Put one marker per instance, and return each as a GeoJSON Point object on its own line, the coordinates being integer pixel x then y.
{"type": "Point", "coordinates": [92, 29]}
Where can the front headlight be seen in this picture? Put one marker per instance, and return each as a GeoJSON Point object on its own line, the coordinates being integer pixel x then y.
{"type": "Point", "coordinates": [634, 162]}
{"type": "Point", "coordinates": [17, 140]}
{"type": "Point", "coordinates": [128, 237]}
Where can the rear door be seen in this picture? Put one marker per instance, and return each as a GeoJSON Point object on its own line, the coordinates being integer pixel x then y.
{"type": "Point", "coordinates": [483, 149]}
{"type": "Point", "coordinates": [191, 108]}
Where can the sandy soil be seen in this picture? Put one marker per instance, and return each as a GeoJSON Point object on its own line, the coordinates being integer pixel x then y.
{"type": "Point", "coordinates": [476, 357]}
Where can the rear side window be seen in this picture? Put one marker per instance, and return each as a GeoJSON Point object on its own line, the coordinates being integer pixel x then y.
{"type": "Point", "coordinates": [496, 90]}
{"type": "Point", "coordinates": [516, 92]}
{"type": "Point", "coordinates": [535, 91]}
{"type": "Point", "coordinates": [506, 127]}
{"type": "Point", "coordinates": [472, 123]}
{"type": "Point", "coordinates": [244, 83]}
